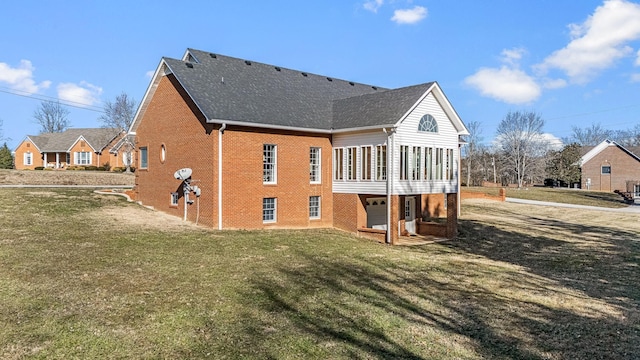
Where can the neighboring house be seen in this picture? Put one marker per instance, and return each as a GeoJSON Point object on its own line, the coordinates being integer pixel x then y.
{"type": "Point", "coordinates": [271, 147]}
{"type": "Point", "coordinates": [610, 166]}
{"type": "Point", "coordinates": [73, 147]}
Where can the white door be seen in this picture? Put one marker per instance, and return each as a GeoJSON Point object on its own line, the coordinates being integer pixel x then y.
{"type": "Point", "coordinates": [410, 214]}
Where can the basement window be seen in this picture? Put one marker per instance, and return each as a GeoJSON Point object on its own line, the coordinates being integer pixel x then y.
{"type": "Point", "coordinates": [174, 199]}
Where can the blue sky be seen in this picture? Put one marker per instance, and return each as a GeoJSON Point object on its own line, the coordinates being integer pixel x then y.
{"type": "Point", "coordinates": [575, 62]}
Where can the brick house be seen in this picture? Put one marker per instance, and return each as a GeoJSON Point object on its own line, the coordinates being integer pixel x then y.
{"type": "Point", "coordinates": [81, 147]}
{"type": "Point", "coordinates": [610, 166]}
{"type": "Point", "coordinates": [271, 147]}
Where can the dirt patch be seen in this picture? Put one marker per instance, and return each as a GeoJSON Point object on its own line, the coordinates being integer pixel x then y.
{"type": "Point", "coordinates": [138, 217]}
{"type": "Point", "coordinates": [65, 177]}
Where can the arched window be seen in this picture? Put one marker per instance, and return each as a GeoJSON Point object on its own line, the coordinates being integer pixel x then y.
{"type": "Point", "coordinates": [428, 124]}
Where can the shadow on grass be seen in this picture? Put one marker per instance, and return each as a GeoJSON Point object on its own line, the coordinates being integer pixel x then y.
{"type": "Point", "coordinates": [381, 308]}
{"type": "Point", "coordinates": [601, 262]}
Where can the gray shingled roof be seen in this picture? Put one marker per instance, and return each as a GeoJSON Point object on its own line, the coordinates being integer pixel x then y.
{"type": "Point", "coordinates": [232, 89]}
{"type": "Point", "coordinates": [97, 138]}
{"type": "Point", "coordinates": [383, 108]}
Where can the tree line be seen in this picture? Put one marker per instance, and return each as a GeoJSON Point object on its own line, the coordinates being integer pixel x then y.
{"type": "Point", "coordinates": [522, 155]}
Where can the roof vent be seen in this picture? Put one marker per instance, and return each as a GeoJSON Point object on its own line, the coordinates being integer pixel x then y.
{"type": "Point", "coordinates": [374, 87]}
{"type": "Point", "coordinates": [351, 83]}
{"type": "Point", "coordinates": [304, 74]}
{"type": "Point", "coordinates": [189, 65]}
{"type": "Point", "coordinates": [213, 56]}
{"type": "Point", "coordinates": [247, 62]}
{"type": "Point", "coordinates": [330, 79]}
{"type": "Point", "coordinates": [278, 69]}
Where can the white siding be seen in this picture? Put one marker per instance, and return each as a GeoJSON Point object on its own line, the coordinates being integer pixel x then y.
{"type": "Point", "coordinates": [368, 138]}
{"type": "Point", "coordinates": [407, 134]}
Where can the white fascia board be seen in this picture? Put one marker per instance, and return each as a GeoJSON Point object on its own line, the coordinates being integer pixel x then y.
{"type": "Point", "coordinates": [81, 138]}
{"type": "Point", "coordinates": [266, 126]}
{"type": "Point", "coordinates": [450, 110]}
{"type": "Point", "coordinates": [444, 104]}
{"type": "Point", "coordinates": [31, 141]}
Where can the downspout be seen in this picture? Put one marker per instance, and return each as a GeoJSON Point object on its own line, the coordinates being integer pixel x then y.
{"type": "Point", "coordinates": [388, 235]}
{"type": "Point", "coordinates": [220, 132]}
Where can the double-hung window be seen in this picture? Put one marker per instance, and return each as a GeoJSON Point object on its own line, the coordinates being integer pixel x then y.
{"type": "Point", "coordinates": [268, 210]}
{"type": "Point", "coordinates": [449, 164]}
{"type": "Point", "coordinates": [381, 162]}
{"type": "Point", "coordinates": [351, 163]}
{"type": "Point", "coordinates": [439, 164]}
{"type": "Point", "coordinates": [428, 163]}
{"type": "Point", "coordinates": [415, 172]}
{"type": "Point", "coordinates": [28, 158]}
{"type": "Point", "coordinates": [269, 159]}
{"type": "Point", "coordinates": [174, 198]}
{"type": "Point", "coordinates": [404, 162]}
{"type": "Point", "coordinates": [144, 163]}
{"type": "Point", "coordinates": [82, 158]}
{"type": "Point", "coordinates": [314, 207]}
{"type": "Point", "coordinates": [365, 171]}
{"type": "Point", "coordinates": [314, 165]}
{"type": "Point", "coordinates": [338, 161]}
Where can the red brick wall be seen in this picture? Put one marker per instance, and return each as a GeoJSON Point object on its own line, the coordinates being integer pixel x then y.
{"type": "Point", "coordinates": [623, 168]}
{"type": "Point", "coordinates": [345, 211]}
{"type": "Point", "coordinates": [243, 187]}
{"type": "Point", "coordinates": [172, 120]}
{"type": "Point", "coordinates": [24, 147]}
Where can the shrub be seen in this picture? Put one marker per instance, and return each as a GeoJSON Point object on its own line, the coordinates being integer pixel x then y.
{"type": "Point", "coordinates": [101, 168]}
{"type": "Point", "coordinates": [91, 168]}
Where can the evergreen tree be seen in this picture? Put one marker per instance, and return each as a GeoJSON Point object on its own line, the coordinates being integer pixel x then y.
{"type": "Point", "coordinates": [6, 159]}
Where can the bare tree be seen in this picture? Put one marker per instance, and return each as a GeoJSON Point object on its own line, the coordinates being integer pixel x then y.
{"type": "Point", "coordinates": [519, 136]}
{"type": "Point", "coordinates": [589, 136]}
{"type": "Point", "coordinates": [472, 148]}
{"type": "Point", "coordinates": [119, 114]}
{"type": "Point", "coordinates": [51, 117]}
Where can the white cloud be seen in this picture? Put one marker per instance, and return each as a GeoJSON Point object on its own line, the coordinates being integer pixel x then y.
{"type": "Point", "coordinates": [84, 93]}
{"type": "Point", "coordinates": [507, 84]}
{"type": "Point", "coordinates": [513, 56]}
{"type": "Point", "coordinates": [635, 77]}
{"type": "Point", "coordinates": [409, 16]}
{"type": "Point", "coordinates": [598, 42]}
{"type": "Point", "coordinates": [373, 5]}
{"type": "Point", "coordinates": [21, 78]}
{"type": "Point", "coordinates": [638, 59]}
{"type": "Point", "coordinates": [149, 74]}
{"type": "Point", "coordinates": [554, 83]}
{"type": "Point", "coordinates": [553, 142]}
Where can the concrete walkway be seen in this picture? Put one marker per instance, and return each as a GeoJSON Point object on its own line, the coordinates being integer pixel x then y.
{"type": "Point", "coordinates": [633, 209]}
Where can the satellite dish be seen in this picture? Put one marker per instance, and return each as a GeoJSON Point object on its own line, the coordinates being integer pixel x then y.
{"type": "Point", "coordinates": [182, 174]}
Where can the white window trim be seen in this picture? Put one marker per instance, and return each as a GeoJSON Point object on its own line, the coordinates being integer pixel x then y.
{"type": "Point", "coordinates": [366, 166]}
{"type": "Point", "coordinates": [319, 216]}
{"type": "Point", "coordinates": [274, 170]}
{"type": "Point", "coordinates": [146, 151]}
{"type": "Point", "coordinates": [174, 199]}
{"type": "Point", "coordinates": [77, 160]}
{"type": "Point", "coordinates": [317, 165]}
{"type": "Point", "coordinates": [28, 158]}
{"type": "Point", "coordinates": [338, 164]}
{"type": "Point", "coordinates": [275, 211]}
{"type": "Point", "coordinates": [352, 164]}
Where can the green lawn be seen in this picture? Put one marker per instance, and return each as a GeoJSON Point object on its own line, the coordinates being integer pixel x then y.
{"type": "Point", "coordinates": [77, 281]}
{"type": "Point", "coordinates": [561, 195]}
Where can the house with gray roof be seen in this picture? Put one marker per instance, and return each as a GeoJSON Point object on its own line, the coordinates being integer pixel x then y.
{"type": "Point", "coordinates": [75, 146]}
{"type": "Point", "coordinates": [610, 166]}
{"type": "Point", "coordinates": [234, 143]}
